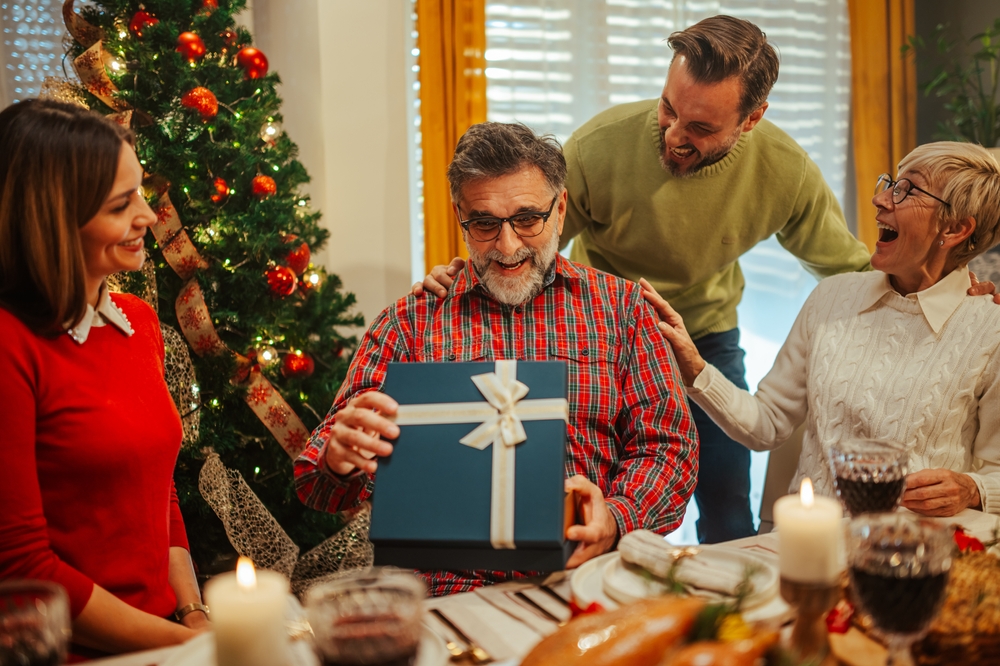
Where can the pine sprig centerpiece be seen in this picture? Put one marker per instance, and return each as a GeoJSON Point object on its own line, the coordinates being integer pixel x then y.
{"type": "Point", "coordinates": [232, 245]}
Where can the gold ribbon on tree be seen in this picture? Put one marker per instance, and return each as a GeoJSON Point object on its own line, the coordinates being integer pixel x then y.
{"type": "Point", "coordinates": [500, 420]}
{"type": "Point", "coordinates": [183, 257]}
{"type": "Point", "coordinates": [91, 65]}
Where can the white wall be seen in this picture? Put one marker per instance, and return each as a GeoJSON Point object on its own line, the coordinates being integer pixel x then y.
{"type": "Point", "coordinates": [343, 67]}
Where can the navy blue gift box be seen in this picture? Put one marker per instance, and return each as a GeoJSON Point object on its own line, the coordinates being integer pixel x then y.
{"type": "Point", "coordinates": [432, 496]}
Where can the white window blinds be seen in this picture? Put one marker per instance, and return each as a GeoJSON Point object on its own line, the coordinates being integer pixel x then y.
{"type": "Point", "coordinates": [553, 64]}
{"type": "Point", "coordinates": [31, 47]}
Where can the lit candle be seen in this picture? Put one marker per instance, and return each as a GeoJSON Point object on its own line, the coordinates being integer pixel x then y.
{"type": "Point", "coordinates": [810, 537]}
{"type": "Point", "coordinates": [248, 616]}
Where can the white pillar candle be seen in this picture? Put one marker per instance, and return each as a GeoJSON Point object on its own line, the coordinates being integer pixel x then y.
{"type": "Point", "coordinates": [248, 616]}
{"type": "Point", "coordinates": [810, 537]}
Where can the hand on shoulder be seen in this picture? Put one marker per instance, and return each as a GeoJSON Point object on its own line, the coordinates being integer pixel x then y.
{"type": "Point", "coordinates": [440, 279]}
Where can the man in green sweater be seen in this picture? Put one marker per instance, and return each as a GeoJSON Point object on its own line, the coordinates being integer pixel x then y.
{"type": "Point", "coordinates": [675, 190]}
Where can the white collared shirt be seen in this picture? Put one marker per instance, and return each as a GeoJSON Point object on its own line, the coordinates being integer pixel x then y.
{"type": "Point", "coordinates": [106, 312]}
{"type": "Point", "coordinates": [937, 303]}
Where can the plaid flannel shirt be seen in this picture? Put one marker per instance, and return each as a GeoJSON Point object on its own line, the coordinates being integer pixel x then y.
{"type": "Point", "coordinates": [630, 430]}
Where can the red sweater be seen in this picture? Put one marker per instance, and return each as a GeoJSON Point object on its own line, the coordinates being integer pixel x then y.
{"type": "Point", "coordinates": [89, 440]}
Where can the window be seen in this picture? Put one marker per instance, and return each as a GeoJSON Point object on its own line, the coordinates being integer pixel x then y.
{"type": "Point", "coordinates": [553, 64]}
{"type": "Point", "coordinates": [32, 47]}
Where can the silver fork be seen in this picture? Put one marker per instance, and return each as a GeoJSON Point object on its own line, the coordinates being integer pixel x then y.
{"type": "Point", "coordinates": [478, 654]}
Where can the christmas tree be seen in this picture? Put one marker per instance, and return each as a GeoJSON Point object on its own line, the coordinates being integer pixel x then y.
{"type": "Point", "coordinates": [231, 247]}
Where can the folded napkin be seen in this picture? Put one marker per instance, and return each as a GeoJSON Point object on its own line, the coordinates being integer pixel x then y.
{"type": "Point", "coordinates": [721, 577]}
{"type": "Point", "coordinates": [650, 552]}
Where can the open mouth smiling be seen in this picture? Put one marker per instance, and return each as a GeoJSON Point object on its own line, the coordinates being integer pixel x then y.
{"type": "Point", "coordinates": [682, 152]}
{"type": "Point", "coordinates": [886, 234]}
{"type": "Point", "coordinates": [511, 267]}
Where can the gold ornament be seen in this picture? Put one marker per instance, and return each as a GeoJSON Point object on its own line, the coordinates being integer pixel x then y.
{"type": "Point", "coordinates": [312, 279]}
{"type": "Point", "coordinates": [266, 355]}
{"type": "Point", "coordinates": [269, 132]}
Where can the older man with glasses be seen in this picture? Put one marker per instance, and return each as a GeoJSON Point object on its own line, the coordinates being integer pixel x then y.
{"type": "Point", "coordinates": [631, 443]}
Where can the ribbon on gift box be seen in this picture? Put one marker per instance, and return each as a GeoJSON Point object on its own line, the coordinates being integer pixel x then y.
{"type": "Point", "coordinates": [500, 425]}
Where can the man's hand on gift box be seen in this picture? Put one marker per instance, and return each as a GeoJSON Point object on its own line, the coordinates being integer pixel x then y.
{"type": "Point", "coordinates": [355, 439]}
{"type": "Point", "coordinates": [599, 530]}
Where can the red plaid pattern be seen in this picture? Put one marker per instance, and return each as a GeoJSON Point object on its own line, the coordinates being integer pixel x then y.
{"type": "Point", "coordinates": [630, 431]}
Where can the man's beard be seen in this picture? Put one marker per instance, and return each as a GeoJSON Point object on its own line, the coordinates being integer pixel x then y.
{"type": "Point", "coordinates": [706, 160]}
{"type": "Point", "coordinates": [519, 289]}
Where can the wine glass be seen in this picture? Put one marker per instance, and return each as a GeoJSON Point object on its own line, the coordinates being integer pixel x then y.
{"type": "Point", "coordinates": [899, 567]}
{"type": "Point", "coordinates": [869, 474]}
{"type": "Point", "coordinates": [372, 616]}
{"type": "Point", "coordinates": [34, 623]}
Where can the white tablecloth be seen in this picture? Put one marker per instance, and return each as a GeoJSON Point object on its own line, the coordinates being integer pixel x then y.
{"type": "Point", "coordinates": [508, 638]}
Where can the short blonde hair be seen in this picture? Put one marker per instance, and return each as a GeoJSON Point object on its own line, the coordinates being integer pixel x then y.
{"type": "Point", "coordinates": [967, 176]}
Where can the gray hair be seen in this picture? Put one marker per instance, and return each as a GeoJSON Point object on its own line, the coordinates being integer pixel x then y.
{"type": "Point", "coordinates": [967, 176]}
{"type": "Point", "coordinates": [491, 150]}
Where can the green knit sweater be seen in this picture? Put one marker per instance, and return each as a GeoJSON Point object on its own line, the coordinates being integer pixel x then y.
{"type": "Point", "coordinates": [633, 219]}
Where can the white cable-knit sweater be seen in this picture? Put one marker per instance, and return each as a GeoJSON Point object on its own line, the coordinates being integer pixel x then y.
{"type": "Point", "coordinates": [864, 361]}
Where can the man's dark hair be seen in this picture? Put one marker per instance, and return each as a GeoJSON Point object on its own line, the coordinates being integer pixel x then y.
{"type": "Point", "coordinates": [719, 47]}
{"type": "Point", "coordinates": [492, 150]}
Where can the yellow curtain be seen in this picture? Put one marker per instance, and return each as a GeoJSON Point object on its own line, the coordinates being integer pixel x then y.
{"type": "Point", "coordinates": [883, 98]}
{"type": "Point", "coordinates": [451, 36]}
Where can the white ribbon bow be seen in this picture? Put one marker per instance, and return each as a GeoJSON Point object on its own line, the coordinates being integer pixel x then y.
{"type": "Point", "coordinates": [501, 426]}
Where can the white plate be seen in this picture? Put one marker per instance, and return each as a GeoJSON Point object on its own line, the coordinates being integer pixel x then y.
{"type": "Point", "coordinates": [200, 651]}
{"type": "Point", "coordinates": [625, 585]}
{"type": "Point", "coordinates": [587, 586]}
{"type": "Point", "coordinates": [585, 583]}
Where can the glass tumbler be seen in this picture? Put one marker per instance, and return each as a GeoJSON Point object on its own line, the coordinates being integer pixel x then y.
{"type": "Point", "coordinates": [34, 623]}
{"type": "Point", "coordinates": [372, 617]}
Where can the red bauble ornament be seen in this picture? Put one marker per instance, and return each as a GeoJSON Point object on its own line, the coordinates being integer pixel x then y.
{"type": "Point", "coordinates": [190, 46]}
{"type": "Point", "coordinates": [253, 61]}
{"type": "Point", "coordinates": [140, 21]}
{"type": "Point", "coordinates": [280, 281]}
{"type": "Point", "coordinates": [229, 39]}
{"type": "Point", "coordinates": [263, 186]}
{"type": "Point", "coordinates": [298, 258]}
{"type": "Point", "coordinates": [210, 5]}
{"type": "Point", "coordinates": [201, 100]}
{"type": "Point", "coordinates": [297, 365]}
{"type": "Point", "coordinates": [221, 190]}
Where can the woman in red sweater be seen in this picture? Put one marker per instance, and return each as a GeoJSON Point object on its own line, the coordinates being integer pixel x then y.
{"type": "Point", "coordinates": [90, 433]}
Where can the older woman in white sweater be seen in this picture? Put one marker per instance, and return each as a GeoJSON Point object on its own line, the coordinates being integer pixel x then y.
{"type": "Point", "coordinates": [901, 353]}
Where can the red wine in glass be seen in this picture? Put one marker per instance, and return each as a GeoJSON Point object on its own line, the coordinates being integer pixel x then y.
{"type": "Point", "coordinates": [870, 495]}
{"type": "Point", "coordinates": [373, 641]}
{"type": "Point", "coordinates": [869, 475]}
{"type": "Point", "coordinates": [899, 567]}
{"type": "Point", "coordinates": [899, 605]}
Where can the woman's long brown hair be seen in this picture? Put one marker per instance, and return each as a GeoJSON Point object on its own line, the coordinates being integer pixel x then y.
{"type": "Point", "coordinates": [58, 163]}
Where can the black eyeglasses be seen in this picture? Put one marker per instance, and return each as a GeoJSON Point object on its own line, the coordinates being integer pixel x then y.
{"type": "Point", "coordinates": [527, 224]}
{"type": "Point", "coordinates": [901, 189]}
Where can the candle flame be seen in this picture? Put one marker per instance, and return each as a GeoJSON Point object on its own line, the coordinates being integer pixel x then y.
{"type": "Point", "coordinates": [245, 576]}
{"type": "Point", "coordinates": [806, 492]}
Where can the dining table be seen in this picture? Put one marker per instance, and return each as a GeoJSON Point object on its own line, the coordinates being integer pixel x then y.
{"type": "Point", "coordinates": [507, 620]}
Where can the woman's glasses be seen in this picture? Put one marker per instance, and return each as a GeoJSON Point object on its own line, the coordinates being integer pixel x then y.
{"type": "Point", "coordinates": [901, 189]}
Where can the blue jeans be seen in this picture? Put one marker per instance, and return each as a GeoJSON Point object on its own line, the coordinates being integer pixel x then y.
{"type": "Point", "coordinates": [723, 490]}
